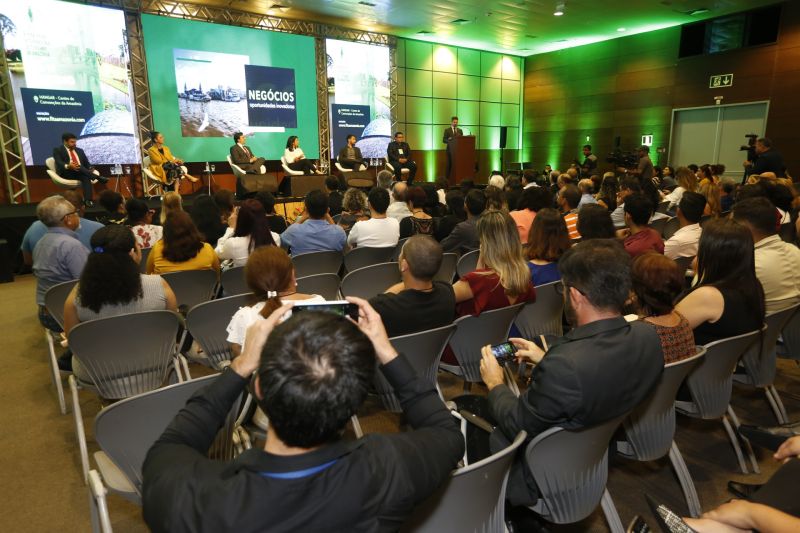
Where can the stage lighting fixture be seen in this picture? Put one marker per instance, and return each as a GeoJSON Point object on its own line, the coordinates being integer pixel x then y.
{"type": "Point", "coordinates": [559, 9]}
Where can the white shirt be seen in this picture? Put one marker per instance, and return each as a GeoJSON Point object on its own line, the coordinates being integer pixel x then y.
{"type": "Point", "coordinates": [247, 316]}
{"type": "Point", "coordinates": [675, 196]}
{"type": "Point", "coordinates": [441, 194]}
{"type": "Point", "coordinates": [292, 155]}
{"type": "Point", "coordinates": [777, 270]}
{"type": "Point", "coordinates": [398, 211]}
{"type": "Point", "coordinates": [237, 249]}
{"type": "Point", "coordinates": [532, 184]}
{"type": "Point", "coordinates": [683, 242]}
{"type": "Point", "coordinates": [375, 233]}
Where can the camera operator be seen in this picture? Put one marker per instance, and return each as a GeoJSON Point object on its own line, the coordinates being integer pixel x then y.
{"type": "Point", "coordinates": [767, 159]}
{"type": "Point", "coordinates": [644, 169]}
{"type": "Point", "coordinates": [589, 161]}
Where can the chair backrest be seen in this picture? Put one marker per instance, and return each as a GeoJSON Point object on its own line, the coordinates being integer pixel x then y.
{"type": "Point", "coordinates": [50, 163]}
{"type": "Point", "coordinates": [650, 428]}
{"type": "Point", "coordinates": [467, 263]}
{"type": "Point", "coordinates": [127, 354]}
{"type": "Point", "coordinates": [328, 262]}
{"type": "Point", "coordinates": [472, 499]}
{"type": "Point", "coordinates": [711, 380]}
{"type": "Point", "coordinates": [423, 350]}
{"type": "Point", "coordinates": [658, 224]}
{"type": "Point", "coordinates": [365, 256]}
{"type": "Point", "coordinates": [542, 317]}
{"type": "Point", "coordinates": [663, 206]}
{"type": "Point", "coordinates": [233, 282]}
{"type": "Point", "coordinates": [670, 227]}
{"type": "Point", "coordinates": [55, 297]}
{"type": "Point", "coordinates": [127, 429]}
{"type": "Point", "coordinates": [143, 262]}
{"type": "Point", "coordinates": [236, 169]}
{"type": "Point", "coordinates": [447, 270]}
{"type": "Point", "coordinates": [760, 358]}
{"type": "Point", "coordinates": [208, 322]}
{"type": "Point", "coordinates": [791, 337]}
{"type": "Point", "coordinates": [787, 232]}
{"type": "Point", "coordinates": [326, 285]}
{"type": "Point", "coordinates": [684, 263]}
{"type": "Point", "coordinates": [571, 469]}
{"type": "Point", "coordinates": [399, 248]}
{"type": "Point", "coordinates": [474, 332]}
{"type": "Point", "coordinates": [705, 220]}
{"type": "Point", "coordinates": [370, 281]}
{"type": "Point", "coordinates": [192, 287]}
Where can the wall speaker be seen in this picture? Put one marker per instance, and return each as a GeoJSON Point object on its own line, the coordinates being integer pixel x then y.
{"type": "Point", "coordinates": [503, 136]}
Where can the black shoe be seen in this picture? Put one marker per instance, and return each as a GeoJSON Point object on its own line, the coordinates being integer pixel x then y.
{"type": "Point", "coordinates": [638, 525]}
{"type": "Point", "coordinates": [65, 362]}
{"type": "Point", "coordinates": [102, 180]}
{"type": "Point", "coordinates": [742, 490]}
{"type": "Point", "coordinates": [667, 519]}
{"type": "Point", "coordinates": [770, 438]}
{"type": "Point", "coordinates": [88, 203]}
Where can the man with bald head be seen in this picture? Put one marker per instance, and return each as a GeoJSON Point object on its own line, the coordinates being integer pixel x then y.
{"type": "Point", "coordinates": [398, 209]}
{"type": "Point", "coordinates": [418, 302]}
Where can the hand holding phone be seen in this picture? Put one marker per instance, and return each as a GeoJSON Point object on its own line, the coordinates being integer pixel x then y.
{"type": "Point", "coordinates": [504, 353]}
{"type": "Point", "coordinates": [528, 350]}
{"type": "Point", "coordinates": [338, 307]}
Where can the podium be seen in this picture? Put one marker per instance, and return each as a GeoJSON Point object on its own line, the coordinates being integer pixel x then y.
{"type": "Point", "coordinates": [462, 151]}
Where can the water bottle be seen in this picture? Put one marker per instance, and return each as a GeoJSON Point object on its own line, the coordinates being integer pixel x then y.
{"type": "Point", "coordinates": [207, 167]}
{"type": "Point", "coordinates": [127, 170]}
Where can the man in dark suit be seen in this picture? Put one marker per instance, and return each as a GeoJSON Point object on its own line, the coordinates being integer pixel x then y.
{"type": "Point", "coordinates": [399, 154]}
{"type": "Point", "coordinates": [449, 133]}
{"type": "Point", "coordinates": [243, 158]}
{"type": "Point", "coordinates": [350, 156]}
{"type": "Point", "coordinates": [768, 160]}
{"type": "Point", "coordinates": [464, 237]}
{"type": "Point", "coordinates": [72, 164]}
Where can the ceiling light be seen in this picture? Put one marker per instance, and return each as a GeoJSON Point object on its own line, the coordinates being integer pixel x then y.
{"type": "Point", "coordinates": [283, 8]}
{"type": "Point", "coordinates": [368, 4]}
{"type": "Point", "coordinates": [559, 9]}
{"type": "Point", "coordinates": [699, 11]}
{"type": "Point", "coordinates": [424, 32]}
{"type": "Point", "coordinates": [460, 22]}
{"type": "Point", "coordinates": [620, 29]}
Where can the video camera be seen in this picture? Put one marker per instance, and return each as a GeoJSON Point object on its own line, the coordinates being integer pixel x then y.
{"type": "Point", "coordinates": [623, 159]}
{"type": "Point", "coordinates": [751, 142]}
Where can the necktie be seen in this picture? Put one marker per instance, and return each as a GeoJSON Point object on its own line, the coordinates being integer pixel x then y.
{"type": "Point", "coordinates": [246, 151]}
{"type": "Point", "coordinates": [73, 156]}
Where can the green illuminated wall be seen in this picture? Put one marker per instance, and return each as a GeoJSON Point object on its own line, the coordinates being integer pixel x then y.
{"type": "Point", "coordinates": [435, 82]}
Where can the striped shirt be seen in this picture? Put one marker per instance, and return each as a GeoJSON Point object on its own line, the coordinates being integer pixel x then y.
{"type": "Point", "coordinates": [571, 219]}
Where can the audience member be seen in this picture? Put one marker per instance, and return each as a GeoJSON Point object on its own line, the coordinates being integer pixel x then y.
{"type": "Point", "coordinates": [667, 181]}
{"type": "Point", "coordinates": [58, 255]}
{"type": "Point", "coordinates": [495, 199]}
{"type": "Point", "coordinates": [577, 384]}
{"type": "Point", "coordinates": [687, 181]}
{"type": "Point", "coordinates": [442, 188]}
{"type": "Point", "coordinates": [379, 231]}
{"type": "Point", "coordinates": [657, 281]}
{"type": "Point", "coordinates": [269, 274]}
{"type": "Point", "coordinates": [247, 230]}
{"type": "Point", "coordinates": [586, 187]}
{"type": "Point", "coordinates": [607, 196]}
{"type": "Point", "coordinates": [726, 195]}
{"type": "Point", "coordinates": [140, 220]}
{"type": "Point", "coordinates": [181, 248]}
{"type": "Point", "coordinates": [466, 186]}
{"type": "Point", "coordinates": [531, 201]}
{"type": "Point", "coordinates": [36, 231]}
{"type": "Point", "coordinates": [226, 201]}
{"type": "Point", "coordinates": [594, 222]}
{"type": "Point", "coordinates": [568, 198]}
{"type": "Point", "coordinates": [464, 237]}
{"type": "Point", "coordinates": [314, 231]}
{"type": "Point", "coordinates": [683, 242]}
{"type": "Point", "coordinates": [456, 213]}
{"type": "Point", "coordinates": [547, 242]}
{"type": "Point", "coordinates": [307, 477]}
{"type": "Point", "coordinates": [354, 208]}
{"type": "Point", "coordinates": [528, 179]}
{"type": "Point", "coordinates": [711, 192]}
{"type": "Point", "coordinates": [497, 180]}
{"type": "Point", "coordinates": [639, 238]}
{"type": "Point", "coordinates": [419, 223]}
{"type": "Point", "coordinates": [171, 202]}
{"type": "Point", "coordinates": [384, 180]}
{"type": "Point", "coordinates": [100, 295]}
{"type": "Point", "coordinates": [276, 222]}
{"type": "Point", "coordinates": [114, 205]}
{"type": "Point", "coordinates": [728, 299]}
{"type": "Point", "coordinates": [776, 261]}
{"type": "Point", "coordinates": [398, 208]}
{"type": "Point", "coordinates": [207, 218]}
{"type": "Point", "coordinates": [432, 205]}
{"type": "Point", "coordinates": [417, 303]}
{"type": "Point", "coordinates": [627, 186]}
{"type": "Point", "coordinates": [335, 197]}
{"type": "Point", "coordinates": [513, 192]}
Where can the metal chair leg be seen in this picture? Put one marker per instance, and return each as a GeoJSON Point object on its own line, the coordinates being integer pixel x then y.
{"type": "Point", "coordinates": [735, 444]}
{"type": "Point", "coordinates": [56, 375]}
{"type": "Point", "coordinates": [778, 403]}
{"type": "Point", "coordinates": [747, 446]}
{"type": "Point", "coordinates": [686, 481]}
{"type": "Point", "coordinates": [612, 516]}
{"type": "Point", "coordinates": [80, 433]}
{"type": "Point", "coordinates": [356, 426]}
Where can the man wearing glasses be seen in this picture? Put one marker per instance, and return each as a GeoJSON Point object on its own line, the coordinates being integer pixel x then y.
{"type": "Point", "coordinates": [603, 368]}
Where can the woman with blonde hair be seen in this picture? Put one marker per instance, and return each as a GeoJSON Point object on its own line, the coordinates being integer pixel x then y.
{"type": "Point", "coordinates": [711, 192]}
{"type": "Point", "coordinates": [170, 203]}
{"type": "Point", "coordinates": [687, 181]}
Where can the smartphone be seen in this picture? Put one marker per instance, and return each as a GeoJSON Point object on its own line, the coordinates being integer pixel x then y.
{"type": "Point", "coordinates": [505, 353]}
{"type": "Point", "coordinates": [338, 307]}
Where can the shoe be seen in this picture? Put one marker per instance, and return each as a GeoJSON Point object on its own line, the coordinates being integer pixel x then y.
{"type": "Point", "coordinates": [88, 203]}
{"type": "Point", "coordinates": [638, 525]}
{"type": "Point", "coordinates": [667, 519]}
{"type": "Point", "coordinates": [770, 438]}
{"type": "Point", "coordinates": [102, 180]}
{"type": "Point", "coordinates": [742, 490]}
{"type": "Point", "coordinates": [65, 362]}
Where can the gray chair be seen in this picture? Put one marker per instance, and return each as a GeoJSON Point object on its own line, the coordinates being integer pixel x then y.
{"type": "Point", "coordinates": [670, 227]}
{"type": "Point", "coordinates": [423, 350]}
{"type": "Point", "coordinates": [327, 262]}
{"type": "Point", "coordinates": [467, 263]}
{"type": "Point", "coordinates": [471, 500]}
{"type": "Point", "coordinates": [543, 317]}
{"type": "Point", "coordinates": [365, 256]}
{"type": "Point", "coordinates": [447, 270]}
{"type": "Point", "coordinates": [663, 207]}
{"type": "Point", "coordinates": [659, 223]}
{"type": "Point", "coordinates": [791, 339]}
{"type": "Point", "coordinates": [192, 287]}
{"type": "Point", "coordinates": [370, 281]}
{"type": "Point", "coordinates": [208, 322]}
{"type": "Point", "coordinates": [787, 232]}
{"type": "Point", "coordinates": [684, 263]}
{"type": "Point", "coordinates": [126, 430]}
{"type": "Point", "coordinates": [759, 362]}
{"type": "Point", "coordinates": [650, 428]}
{"type": "Point", "coordinates": [233, 282]}
{"type": "Point", "coordinates": [143, 262]}
{"type": "Point", "coordinates": [120, 361]}
{"type": "Point", "coordinates": [474, 332]}
{"type": "Point", "coordinates": [710, 384]}
{"type": "Point", "coordinates": [705, 219]}
{"type": "Point", "coordinates": [571, 469]}
{"type": "Point", "coordinates": [326, 285]}
{"type": "Point", "coordinates": [54, 300]}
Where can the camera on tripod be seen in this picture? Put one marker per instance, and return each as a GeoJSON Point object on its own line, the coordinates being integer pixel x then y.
{"type": "Point", "coordinates": [623, 159]}
{"type": "Point", "coordinates": [751, 142]}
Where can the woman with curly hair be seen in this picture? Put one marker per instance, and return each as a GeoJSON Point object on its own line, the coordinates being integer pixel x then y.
{"type": "Point", "coordinates": [181, 248]}
{"type": "Point", "coordinates": [111, 284]}
{"type": "Point", "coordinates": [354, 208]}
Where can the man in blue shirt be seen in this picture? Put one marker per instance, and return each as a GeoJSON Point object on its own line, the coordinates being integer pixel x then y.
{"type": "Point", "coordinates": [36, 231]}
{"type": "Point", "coordinates": [315, 230]}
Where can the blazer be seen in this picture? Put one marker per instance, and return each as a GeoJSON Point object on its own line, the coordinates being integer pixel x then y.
{"type": "Point", "coordinates": [239, 155]}
{"type": "Point", "coordinates": [61, 157]}
{"type": "Point", "coordinates": [448, 134]}
{"type": "Point", "coordinates": [157, 160]}
{"type": "Point", "coordinates": [343, 154]}
{"type": "Point", "coordinates": [393, 151]}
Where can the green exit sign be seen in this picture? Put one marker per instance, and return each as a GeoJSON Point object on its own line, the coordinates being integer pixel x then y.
{"type": "Point", "coordinates": [722, 80]}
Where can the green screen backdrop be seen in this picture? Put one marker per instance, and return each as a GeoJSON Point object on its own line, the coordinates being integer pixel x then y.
{"type": "Point", "coordinates": [222, 50]}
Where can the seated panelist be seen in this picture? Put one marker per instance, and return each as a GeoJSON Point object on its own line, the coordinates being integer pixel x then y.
{"type": "Point", "coordinates": [350, 156]}
{"type": "Point", "coordinates": [71, 163]}
{"type": "Point", "coordinates": [243, 158]}
{"type": "Point", "coordinates": [296, 159]}
{"type": "Point", "coordinates": [165, 166]}
{"type": "Point", "coordinates": [399, 155]}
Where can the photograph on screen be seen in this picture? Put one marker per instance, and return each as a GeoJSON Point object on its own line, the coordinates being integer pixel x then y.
{"type": "Point", "coordinates": [358, 92]}
{"type": "Point", "coordinates": [70, 81]}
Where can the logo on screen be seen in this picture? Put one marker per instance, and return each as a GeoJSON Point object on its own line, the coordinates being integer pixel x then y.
{"type": "Point", "coordinates": [270, 96]}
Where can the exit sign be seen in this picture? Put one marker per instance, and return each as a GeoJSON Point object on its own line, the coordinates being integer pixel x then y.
{"type": "Point", "coordinates": [722, 80]}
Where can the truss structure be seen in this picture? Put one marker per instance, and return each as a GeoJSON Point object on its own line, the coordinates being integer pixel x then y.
{"type": "Point", "coordinates": [13, 157]}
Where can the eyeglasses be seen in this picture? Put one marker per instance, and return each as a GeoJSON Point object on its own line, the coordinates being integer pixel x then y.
{"type": "Point", "coordinates": [68, 214]}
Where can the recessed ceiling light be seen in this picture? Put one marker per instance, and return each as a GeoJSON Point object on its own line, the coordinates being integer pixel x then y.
{"type": "Point", "coordinates": [620, 29]}
{"type": "Point", "coordinates": [699, 11]}
{"type": "Point", "coordinates": [559, 9]}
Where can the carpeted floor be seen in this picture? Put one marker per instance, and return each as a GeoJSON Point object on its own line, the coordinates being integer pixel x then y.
{"type": "Point", "coordinates": [42, 488]}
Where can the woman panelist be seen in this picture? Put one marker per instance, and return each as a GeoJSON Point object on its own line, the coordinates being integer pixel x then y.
{"type": "Point", "coordinates": [159, 156]}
